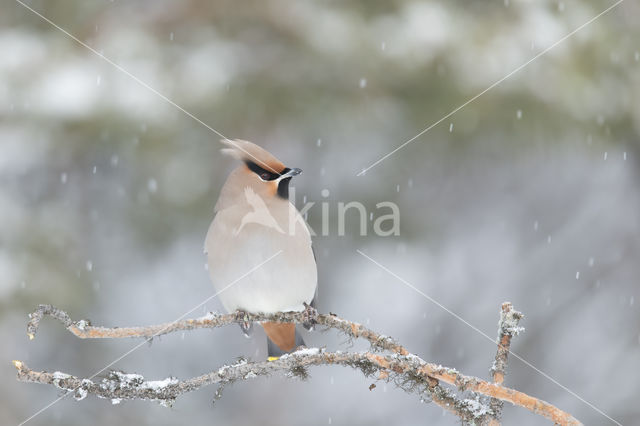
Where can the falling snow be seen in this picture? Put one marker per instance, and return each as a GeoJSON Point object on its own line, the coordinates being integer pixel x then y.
{"type": "Point", "coordinates": [152, 185]}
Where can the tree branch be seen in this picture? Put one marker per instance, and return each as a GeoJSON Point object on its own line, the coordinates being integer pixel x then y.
{"type": "Point", "coordinates": [507, 328]}
{"type": "Point", "coordinates": [408, 371]}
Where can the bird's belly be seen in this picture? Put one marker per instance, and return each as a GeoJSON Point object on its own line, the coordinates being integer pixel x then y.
{"type": "Point", "coordinates": [262, 271]}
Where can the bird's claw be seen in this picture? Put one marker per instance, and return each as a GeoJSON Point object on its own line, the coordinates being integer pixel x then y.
{"type": "Point", "coordinates": [309, 317]}
{"type": "Point", "coordinates": [242, 318]}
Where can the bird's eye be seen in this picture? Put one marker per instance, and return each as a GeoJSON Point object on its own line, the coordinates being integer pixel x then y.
{"type": "Point", "coordinates": [265, 176]}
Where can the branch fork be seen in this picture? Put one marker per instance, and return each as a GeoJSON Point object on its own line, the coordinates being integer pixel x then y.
{"type": "Point", "coordinates": [476, 401]}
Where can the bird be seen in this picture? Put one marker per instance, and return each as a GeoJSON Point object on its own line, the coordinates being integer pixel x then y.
{"type": "Point", "coordinates": [255, 224]}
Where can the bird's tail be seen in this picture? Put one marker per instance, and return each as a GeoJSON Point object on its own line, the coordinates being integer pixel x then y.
{"type": "Point", "coordinates": [282, 338]}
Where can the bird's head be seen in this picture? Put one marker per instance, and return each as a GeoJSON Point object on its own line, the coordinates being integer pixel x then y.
{"type": "Point", "coordinates": [260, 170]}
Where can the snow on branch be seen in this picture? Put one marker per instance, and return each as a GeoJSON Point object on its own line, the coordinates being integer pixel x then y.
{"type": "Point", "coordinates": [476, 400]}
{"type": "Point", "coordinates": [507, 328]}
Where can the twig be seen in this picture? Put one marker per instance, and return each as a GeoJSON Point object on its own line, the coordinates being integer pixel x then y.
{"type": "Point", "coordinates": [410, 371]}
{"type": "Point", "coordinates": [507, 328]}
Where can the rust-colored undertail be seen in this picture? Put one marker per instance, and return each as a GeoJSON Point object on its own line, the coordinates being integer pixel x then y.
{"type": "Point", "coordinates": [283, 335]}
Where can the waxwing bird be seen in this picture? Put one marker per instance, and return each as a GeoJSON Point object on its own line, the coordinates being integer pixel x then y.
{"type": "Point", "coordinates": [254, 221]}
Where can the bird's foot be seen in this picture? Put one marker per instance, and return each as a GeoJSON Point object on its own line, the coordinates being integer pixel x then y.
{"type": "Point", "coordinates": [242, 318]}
{"type": "Point", "coordinates": [309, 317]}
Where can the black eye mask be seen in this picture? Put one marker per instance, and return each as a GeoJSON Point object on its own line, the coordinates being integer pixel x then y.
{"type": "Point", "coordinates": [283, 185]}
{"type": "Point", "coordinates": [265, 174]}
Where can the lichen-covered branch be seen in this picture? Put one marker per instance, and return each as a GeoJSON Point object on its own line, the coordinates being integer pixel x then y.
{"type": "Point", "coordinates": [508, 326]}
{"type": "Point", "coordinates": [407, 370]}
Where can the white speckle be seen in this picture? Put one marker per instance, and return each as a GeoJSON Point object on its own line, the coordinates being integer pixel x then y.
{"type": "Point", "coordinates": [533, 45]}
{"type": "Point", "coordinates": [208, 316]}
{"type": "Point", "coordinates": [89, 265]}
{"type": "Point", "coordinates": [157, 385]}
{"type": "Point", "coordinates": [324, 193]}
{"type": "Point", "coordinates": [371, 216]}
{"type": "Point", "coordinates": [95, 170]}
{"type": "Point", "coordinates": [450, 127]}
{"type": "Point", "coordinates": [535, 225]}
{"type": "Point", "coordinates": [410, 183]}
{"type": "Point", "coordinates": [561, 6]}
{"type": "Point", "coordinates": [171, 36]}
{"type": "Point", "coordinates": [114, 160]}
{"type": "Point", "coordinates": [319, 142]}
{"type": "Point", "coordinates": [206, 266]}
{"type": "Point", "coordinates": [636, 56]}
{"type": "Point", "coordinates": [304, 199]}
{"type": "Point", "coordinates": [82, 392]}
{"type": "Point", "coordinates": [152, 185]}
{"type": "Point", "coordinates": [577, 275]}
{"type": "Point", "coordinates": [98, 79]}
{"type": "Point", "coordinates": [116, 401]}
{"type": "Point", "coordinates": [363, 83]}
{"type": "Point", "coordinates": [519, 114]}
{"type": "Point", "coordinates": [383, 46]}
{"type": "Point", "coordinates": [591, 261]}
{"type": "Point", "coordinates": [397, 188]}
{"type": "Point", "coordinates": [631, 301]}
{"type": "Point", "coordinates": [60, 376]}
{"type": "Point", "coordinates": [57, 376]}
{"type": "Point", "coordinates": [306, 351]}
{"type": "Point", "coordinates": [63, 178]}
{"type": "Point", "coordinates": [548, 239]}
{"type": "Point", "coordinates": [368, 321]}
{"type": "Point", "coordinates": [624, 156]}
{"type": "Point", "coordinates": [329, 420]}
{"type": "Point", "coordinates": [606, 154]}
{"type": "Point", "coordinates": [331, 381]}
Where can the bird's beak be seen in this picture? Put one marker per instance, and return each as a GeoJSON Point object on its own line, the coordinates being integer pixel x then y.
{"type": "Point", "coordinates": [291, 173]}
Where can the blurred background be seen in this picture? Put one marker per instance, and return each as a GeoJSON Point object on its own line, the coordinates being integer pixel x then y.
{"type": "Point", "coordinates": [529, 194]}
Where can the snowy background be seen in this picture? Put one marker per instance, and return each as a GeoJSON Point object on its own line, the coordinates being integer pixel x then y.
{"type": "Point", "coordinates": [530, 194]}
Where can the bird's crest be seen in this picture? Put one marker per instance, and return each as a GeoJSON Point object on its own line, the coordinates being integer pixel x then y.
{"type": "Point", "coordinates": [249, 152]}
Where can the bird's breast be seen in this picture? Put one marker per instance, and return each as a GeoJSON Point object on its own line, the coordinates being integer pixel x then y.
{"type": "Point", "coordinates": [261, 261]}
